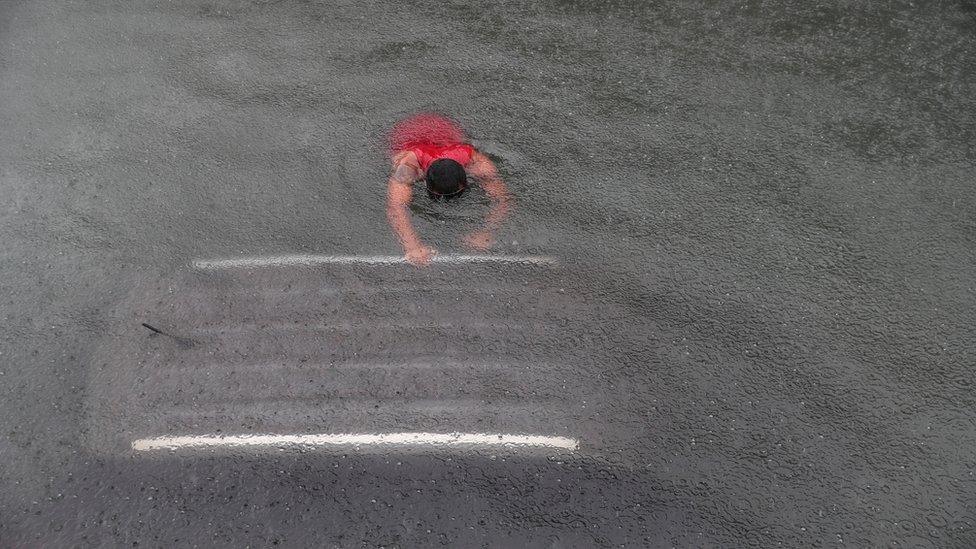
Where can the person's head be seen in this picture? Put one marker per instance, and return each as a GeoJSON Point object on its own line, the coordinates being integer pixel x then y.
{"type": "Point", "coordinates": [445, 178]}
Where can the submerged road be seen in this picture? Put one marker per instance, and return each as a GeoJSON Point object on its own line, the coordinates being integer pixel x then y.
{"type": "Point", "coordinates": [734, 304]}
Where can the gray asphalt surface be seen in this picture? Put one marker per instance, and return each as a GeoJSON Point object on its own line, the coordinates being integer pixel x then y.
{"type": "Point", "coordinates": [764, 218]}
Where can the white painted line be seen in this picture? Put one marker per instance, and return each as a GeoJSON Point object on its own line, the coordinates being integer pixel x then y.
{"type": "Point", "coordinates": [311, 259]}
{"type": "Point", "coordinates": [428, 364]}
{"type": "Point", "coordinates": [318, 326]}
{"type": "Point", "coordinates": [357, 440]}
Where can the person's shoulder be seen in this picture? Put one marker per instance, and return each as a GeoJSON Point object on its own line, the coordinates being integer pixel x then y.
{"type": "Point", "coordinates": [477, 157]}
{"type": "Point", "coordinates": [481, 165]}
{"type": "Point", "coordinates": [405, 157]}
{"type": "Point", "coordinates": [406, 167]}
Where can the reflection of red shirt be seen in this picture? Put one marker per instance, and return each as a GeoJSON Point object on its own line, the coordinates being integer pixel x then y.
{"type": "Point", "coordinates": [431, 137]}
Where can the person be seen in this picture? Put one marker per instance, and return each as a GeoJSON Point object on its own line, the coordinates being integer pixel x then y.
{"type": "Point", "coordinates": [434, 148]}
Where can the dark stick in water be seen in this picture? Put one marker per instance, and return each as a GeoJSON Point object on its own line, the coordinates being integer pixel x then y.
{"type": "Point", "coordinates": [184, 341]}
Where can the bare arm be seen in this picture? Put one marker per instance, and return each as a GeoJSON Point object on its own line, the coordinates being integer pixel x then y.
{"type": "Point", "coordinates": [399, 192]}
{"type": "Point", "coordinates": [483, 168]}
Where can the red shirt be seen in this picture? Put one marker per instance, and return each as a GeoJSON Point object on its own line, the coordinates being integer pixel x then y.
{"type": "Point", "coordinates": [431, 137]}
{"type": "Point", "coordinates": [427, 154]}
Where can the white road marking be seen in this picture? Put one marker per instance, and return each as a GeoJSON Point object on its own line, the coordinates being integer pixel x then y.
{"type": "Point", "coordinates": [311, 259]}
{"type": "Point", "coordinates": [358, 439]}
{"type": "Point", "coordinates": [436, 363]}
{"type": "Point", "coordinates": [319, 326]}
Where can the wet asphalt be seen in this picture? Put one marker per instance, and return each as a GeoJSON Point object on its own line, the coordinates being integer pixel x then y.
{"type": "Point", "coordinates": [764, 219]}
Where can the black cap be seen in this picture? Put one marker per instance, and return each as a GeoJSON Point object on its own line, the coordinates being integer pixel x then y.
{"type": "Point", "coordinates": [446, 177]}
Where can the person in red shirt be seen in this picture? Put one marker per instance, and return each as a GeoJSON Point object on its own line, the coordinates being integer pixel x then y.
{"type": "Point", "coordinates": [435, 149]}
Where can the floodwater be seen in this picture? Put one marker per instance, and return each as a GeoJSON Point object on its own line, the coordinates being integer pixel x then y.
{"type": "Point", "coordinates": [749, 320]}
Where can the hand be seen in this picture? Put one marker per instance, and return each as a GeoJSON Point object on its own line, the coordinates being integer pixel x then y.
{"type": "Point", "coordinates": [420, 255]}
{"type": "Point", "coordinates": [480, 240]}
